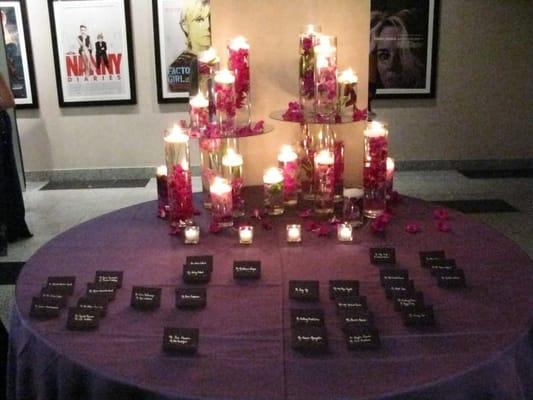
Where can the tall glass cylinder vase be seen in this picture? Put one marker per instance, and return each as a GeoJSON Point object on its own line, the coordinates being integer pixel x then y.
{"type": "Point", "coordinates": [162, 191]}
{"type": "Point", "coordinates": [211, 152]}
{"type": "Point", "coordinates": [179, 178]}
{"type": "Point", "coordinates": [221, 203]}
{"type": "Point", "coordinates": [327, 138]}
{"type": "Point", "coordinates": [208, 63]}
{"type": "Point", "coordinates": [225, 102]}
{"type": "Point", "coordinates": [199, 114]}
{"type": "Point", "coordinates": [288, 163]}
{"type": "Point", "coordinates": [239, 64]}
{"type": "Point", "coordinates": [306, 163]}
{"type": "Point", "coordinates": [273, 191]}
{"type": "Point", "coordinates": [324, 182]}
{"type": "Point", "coordinates": [375, 167]}
{"type": "Point", "coordinates": [346, 92]}
{"type": "Point", "coordinates": [308, 40]}
{"type": "Point", "coordinates": [326, 77]}
{"type": "Point", "coordinates": [232, 164]}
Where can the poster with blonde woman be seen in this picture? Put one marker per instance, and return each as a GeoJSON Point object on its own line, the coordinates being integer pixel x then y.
{"type": "Point", "coordinates": [182, 29]}
{"type": "Point", "coordinates": [402, 47]}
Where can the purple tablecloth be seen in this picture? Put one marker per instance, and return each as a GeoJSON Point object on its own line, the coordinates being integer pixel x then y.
{"type": "Point", "coordinates": [481, 347]}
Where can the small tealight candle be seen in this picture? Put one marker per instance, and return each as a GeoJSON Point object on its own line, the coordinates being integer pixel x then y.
{"type": "Point", "coordinates": [246, 234]}
{"type": "Point", "coordinates": [344, 232]}
{"type": "Point", "coordinates": [294, 233]}
{"type": "Point", "coordinates": [375, 129]}
{"type": "Point", "coordinates": [191, 234]}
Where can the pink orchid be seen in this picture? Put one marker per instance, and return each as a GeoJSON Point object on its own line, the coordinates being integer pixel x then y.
{"type": "Point", "coordinates": [443, 226]}
{"type": "Point", "coordinates": [360, 115]}
{"type": "Point", "coordinates": [294, 112]}
{"type": "Point", "coordinates": [413, 227]}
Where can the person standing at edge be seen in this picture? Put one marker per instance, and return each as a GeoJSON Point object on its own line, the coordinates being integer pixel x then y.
{"type": "Point", "coordinates": [12, 223]}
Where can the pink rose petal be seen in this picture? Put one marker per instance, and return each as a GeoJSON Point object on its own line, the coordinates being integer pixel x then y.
{"type": "Point", "coordinates": [443, 226]}
{"type": "Point", "coordinates": [441, 214]}
{"type": "Point", "coordinates": [413, 227]}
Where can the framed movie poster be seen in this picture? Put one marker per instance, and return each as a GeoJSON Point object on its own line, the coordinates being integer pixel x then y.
{"type": "Point", "coordinates": [182, 28]}
{"type": "Point", "coordinates": [93, 52]}
{"type": "Point", "coordinates": [403, 48]}
{"type": "Point", "coordinates": [18, 53]}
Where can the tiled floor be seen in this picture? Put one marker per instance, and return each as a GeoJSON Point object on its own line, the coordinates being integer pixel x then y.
{"type": "Point", "coordinates": [52, 212]}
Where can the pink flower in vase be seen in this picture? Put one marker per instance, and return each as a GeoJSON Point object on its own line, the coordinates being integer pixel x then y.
{"type": "Point", "coordinates": [238, 63]}
{"type": "Point", "coordinates": [180, 194]}
{"type": "Point", "coordinates": [360, 115]}
{"type": "Point", "coordinates": [309, 83]}
{"type": "Point", "coordinates": [294, 112]}
{"type": "Point", "coordinates": [224, 99]}
{"type": "Point", "coordinates": [307, 44]}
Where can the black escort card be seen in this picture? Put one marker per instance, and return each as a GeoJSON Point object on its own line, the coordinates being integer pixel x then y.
{"type": "Point", "coordinates": [200, 260]}
{"type": "Point", "coordinates": [382, 255]}
{"type": "Point", "coordinates": [307, 317]}
{"type": "Point", "coordinates": [80, 319]}
{"type": "Point", "coordinates": [422, 316]}
{"type": "Point", "coordinates": [145, 298]}
{"type": "Point", "coordinates": [452, 279]}
{"type": "Point", "coordinates": [44, 308]}
{"type": "Point", "coordinates": [350, 303]}
{"type": "Point", "coordinates": [303, 290]}
{"type": "Point", "coordinates": [50, 292]}
{"type": "Point", "coordinates": [401, 288]}
{"type": "Point", "coordinates": [388, 276]}
{"type": "Point", "coordinates": [191, 297]}
{"type": "Point", "coordinates": [196, 273]}
{"type": "Point", "coordinates": [363, 338]}
{"type": "Point", "coordinates": [354, 319]}
{"type": "Point", "coordinates": [426, 257]}
{"type": "Point", "coordinates": [343, 288]}
{"type": "Point", "coordinates": [180, 340]}
{"type": "Point", "coordinates": [63, 284]}
{"type": "Point", "coordinates": [408, 301]}
{"type": "Point", "coordinates": [311, 340]}
{"type": "Point", "coordinates": [101, 289]}
{"type": "Point", "coordinates": [98, 303]}
{"type": "Point", "coordinates": [114, 277]}
{"type": "Point", "coordinates": [442, 266]}
{"type": "Point", "coordinates": [247, 270]}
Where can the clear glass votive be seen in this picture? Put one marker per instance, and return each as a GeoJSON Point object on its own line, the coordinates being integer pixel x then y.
{"type": "Point", "coordinates": [344, 232]}
{"type": "Point", "coordinates": [273, 191]}
{"type": "Point", "coordinates": [352, 210]}
{"type": "Point", "coordinates": [246, 234]}
{"type": "Point", "coordinates": [191, 234]}
{"type": "Point", "coordinates": [294, 233]}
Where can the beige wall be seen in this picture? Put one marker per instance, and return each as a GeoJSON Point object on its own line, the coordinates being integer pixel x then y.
{"type": "Point", "coordinates": [484, 88]}
{"type": "Point", "coordinates": [481, 110]}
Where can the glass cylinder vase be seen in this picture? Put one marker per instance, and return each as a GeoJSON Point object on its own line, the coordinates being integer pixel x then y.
{"type": "Point", "coordinates": [375, 167]}
{"type": "Point", "coordinates": [273, 191]}
{"type": "Point", "coordinates": [327, 138]}
{"type": "Point", "coordinates": [179, 178]}
{"type": "Point", "coordinates": [208, 63]}
{"type": "Point", "coordinates": [239, 64]}
{"type": "Point", "coordinates": [288, 163]}
{"type": "Point", "coordinates": [346, 92]}
{"type": "Point", "coordinates": [221, 203]}
{"type": "Point", "coordinates": [306, 163]}
{"type": "Point", "coordinates": [232, 165]}
{"type": "Point", "coordinates": [225, 102]}
{"type": "Point", "coordinates": [199, 114]}
{"type": "Point", "coordinates": [162, 191]}
{"type": "Point", "coordinates": [324, 181]}
{"type": "Point", "coordinates": [306, 76]}
{"type": "Point", "coordinates": [326, 77]}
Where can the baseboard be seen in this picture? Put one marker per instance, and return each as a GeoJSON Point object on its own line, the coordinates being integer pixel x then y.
{"type": "Point", "coordinates": [424, 165]}
{"type": "Point", "coordinates": [61, 175]}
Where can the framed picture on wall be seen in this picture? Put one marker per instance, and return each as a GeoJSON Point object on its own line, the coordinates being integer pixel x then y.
{"type": "Point", "coordinates": [18, 53]}
{"type": "Point", "coordinates": [182, 29]}
{"type": "Point", "coordinates": [93, 52]}
{"type": "Point", "coordinates": [403, 48]}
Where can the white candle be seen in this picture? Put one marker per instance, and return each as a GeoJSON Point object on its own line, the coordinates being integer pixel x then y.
{"type": "Point", "coordinates": [176, 135]}
{"type": "Point", "coordinates": [353, 193]}
{"type": "Point", "coordinates": [375, 129]}
{"type": "Point", "coordinates": [272, 176]}
{"type": "Point", "coordinates": [294, 233]}
{"type": "Point", "coordinates": [225, 77]}
{"type": "Point", "coordinates": [287, 154]}
{"type": "Point", "coordinates": [199, 101]}
{"type": "Point", "coordinates": [246, 234]}
{"type": "Point", "coordinates": [161, 170]}
{"type": "Point", "coordinates": [347, 77]}
{"type": "Point", "coordinates": [239, 42]}
{"type": "Point", "coordinates": [232, 159]}
{"type": "Point", "coordinates": [220, 186]}
{"type": "Point", "coordinates": [344, 232]}
{"type": "Point", "coordinates": [324, 157]}
{"type": "Point", "coordinates": [390, 168]}
{"type": "Point", "coordinates": [208, 56]}
{"type": "Point", "coordinates": [311, 29]}
{"type": "Point", "coordinates": [192, 234]}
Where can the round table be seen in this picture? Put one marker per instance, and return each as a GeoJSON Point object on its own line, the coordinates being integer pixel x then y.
{"type": "Point", "coordinates": [479, 347]}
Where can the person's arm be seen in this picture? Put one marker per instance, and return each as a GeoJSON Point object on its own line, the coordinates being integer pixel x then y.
{"type": "Point", "coordinates": [6, 96]}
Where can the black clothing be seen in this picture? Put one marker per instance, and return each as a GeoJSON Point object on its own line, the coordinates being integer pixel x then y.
{"type": "Point", "coordinates": [101, 53]}
{"type": "Point", "coordinates": [87, 44]}
{"type": "Point", "coordinates": [12, 224]}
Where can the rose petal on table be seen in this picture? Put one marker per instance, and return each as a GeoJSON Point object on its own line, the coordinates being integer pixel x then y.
{"type": "Point", "coordinates": [214, 227]}
{"type": "Point", "coordinates": [413, 227]}
{"type": "Point", "coordinates": [443, 226]}
{"type": "Point", "coordinates": [378, 225]}
{"type": "Point", "coordinates": [324, 230]}
{"type": "Point", "coordinates": [310, 225]}
{"type": "Point", "coordinates": [441, 214]}
{"type": "Point", "coordinates": [305, 213]}
{"type": "Point", "coordinates": [267, 225]}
